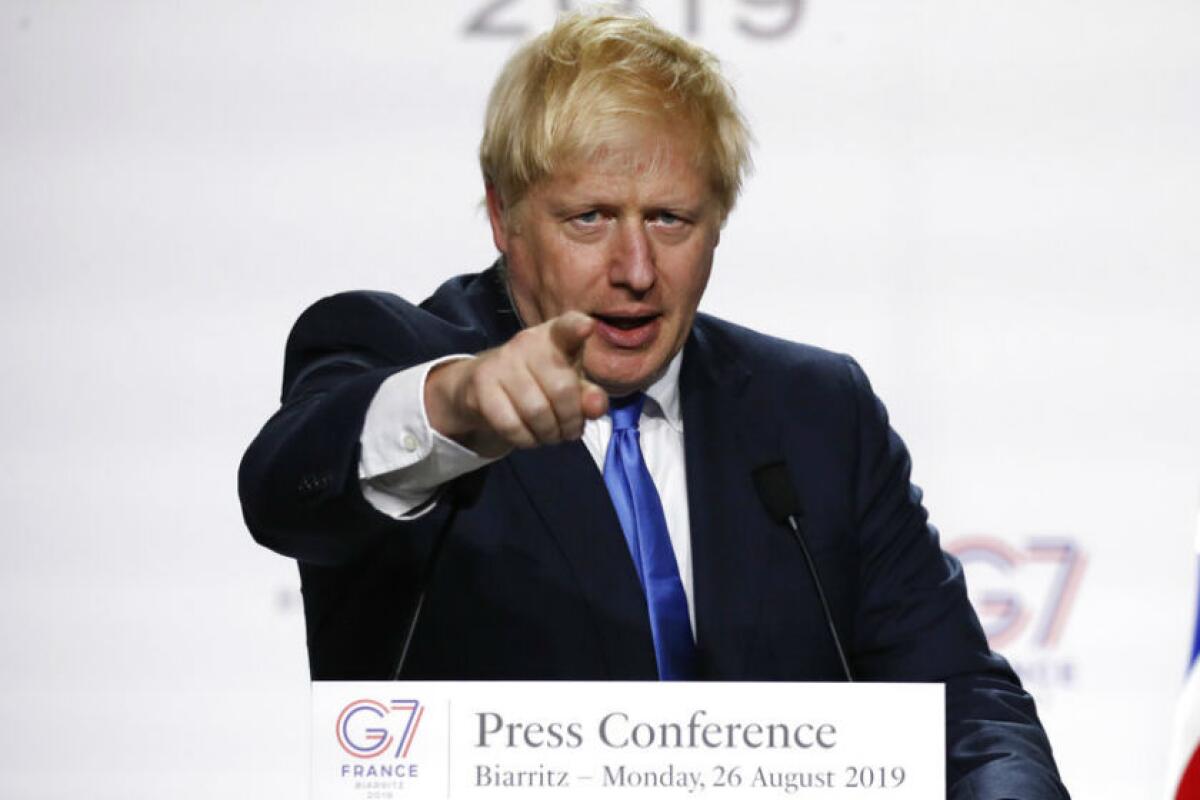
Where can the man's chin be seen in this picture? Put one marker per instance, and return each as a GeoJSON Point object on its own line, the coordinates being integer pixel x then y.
{"type": "Point", "coordinates": [627, 379]}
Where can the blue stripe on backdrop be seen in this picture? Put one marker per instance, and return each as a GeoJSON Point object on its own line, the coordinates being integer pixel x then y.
{"type": "Point", "coordinates": [1196, 629]}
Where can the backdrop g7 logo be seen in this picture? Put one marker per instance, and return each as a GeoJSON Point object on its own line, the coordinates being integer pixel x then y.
{"type": "Point", "coordinates": [368, 728]}
{"type": "Point", "coordinates": [1012, 587]}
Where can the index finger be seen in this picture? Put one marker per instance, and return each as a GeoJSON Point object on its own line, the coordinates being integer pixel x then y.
{"type": "Point", "coordinates": [569, 332]}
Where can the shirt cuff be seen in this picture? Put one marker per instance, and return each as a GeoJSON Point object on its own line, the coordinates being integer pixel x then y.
{"type": "Point", "coordinates": [403, 461]}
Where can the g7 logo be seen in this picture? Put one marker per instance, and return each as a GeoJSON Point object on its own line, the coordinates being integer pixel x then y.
{"type": "Point", "coordinates": [367, 728]}
{"type": "Point", "coordinates": [1002, 577]}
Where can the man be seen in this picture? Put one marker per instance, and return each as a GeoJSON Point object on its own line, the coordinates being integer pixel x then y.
{"type": "Point", "coordinates": [547, 470]}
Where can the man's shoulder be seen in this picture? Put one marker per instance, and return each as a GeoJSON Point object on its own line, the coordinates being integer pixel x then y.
{"type": "Point", "coordinates": [460, 300]}
{"type": "Point", "coordinates": [472, 306]}
{"type": "Point", "coordinates": [466, 314]}
{"type": "Point", "coordinates": [781, 391]}
{"type": "Point", "coordinates": [766, 355]}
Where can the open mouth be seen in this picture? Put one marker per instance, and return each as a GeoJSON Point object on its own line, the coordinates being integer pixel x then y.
{"type": "Point", "coordinates": [628, 331]}
{"type": "Point", "coordinates": [626, 323]}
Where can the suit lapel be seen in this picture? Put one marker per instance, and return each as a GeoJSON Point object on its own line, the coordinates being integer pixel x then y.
{"type": "Point", "coordinates": [726, 436]}
{"type": "Point", "coordinates": [567, 491]}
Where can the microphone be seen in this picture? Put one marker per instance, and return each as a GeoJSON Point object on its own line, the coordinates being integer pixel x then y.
{"type": "Point", "coordinates": [775, 492]}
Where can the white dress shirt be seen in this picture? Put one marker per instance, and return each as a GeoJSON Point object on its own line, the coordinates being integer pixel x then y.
{"type": "Point", "coordinates": [403, 460]}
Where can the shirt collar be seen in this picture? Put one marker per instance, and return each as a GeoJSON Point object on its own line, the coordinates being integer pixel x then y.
{"type": "Point", "coordinates": [665, 393]}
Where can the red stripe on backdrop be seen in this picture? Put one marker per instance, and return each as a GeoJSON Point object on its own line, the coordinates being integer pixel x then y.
{"type": "Point", "coordinates": [1189, 784]}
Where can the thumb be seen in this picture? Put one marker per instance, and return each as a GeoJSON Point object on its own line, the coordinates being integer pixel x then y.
{"type": "Point", "coordinates": [569, 332]}
{"type": "Point", "coordinates": [593, 399]}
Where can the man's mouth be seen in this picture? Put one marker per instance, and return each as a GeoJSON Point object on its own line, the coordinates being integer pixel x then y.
{"type": "Point", "coordinates": [627, 331]}
{"type": "Point", "coordinates": [626, 323]}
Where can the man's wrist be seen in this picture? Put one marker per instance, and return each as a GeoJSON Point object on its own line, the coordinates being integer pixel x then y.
{"type": "Point", "coordinates": [449, 414]}
{"type": "Point", "coordinates": [442, 384]}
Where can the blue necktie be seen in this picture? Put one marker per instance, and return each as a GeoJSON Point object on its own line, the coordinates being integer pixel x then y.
{"type": "Point", "coordinates": [641, 514]}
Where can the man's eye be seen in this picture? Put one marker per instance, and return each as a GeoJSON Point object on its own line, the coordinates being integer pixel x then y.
{"type": "Point", "coordinates": [588, 217]}
{"type": "Point", "coordinates": [668, 219]}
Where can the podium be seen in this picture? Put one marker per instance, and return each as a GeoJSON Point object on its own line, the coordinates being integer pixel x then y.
{"type": "Point", "coordinates": [626, 740]}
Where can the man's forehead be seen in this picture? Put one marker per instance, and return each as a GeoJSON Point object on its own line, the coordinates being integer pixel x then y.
{"type": "Point", "coordinates": [642, 143]}
{"type": "Point", "coordinates": [650, 157]}
{"type": "Point", "coordinates": [659, 181]}
{"type": "Point", "coordinates": [643, 157]}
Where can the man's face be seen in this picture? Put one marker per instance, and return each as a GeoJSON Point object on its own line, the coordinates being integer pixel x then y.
{"type": "Point", "coordinates": [627, 238]}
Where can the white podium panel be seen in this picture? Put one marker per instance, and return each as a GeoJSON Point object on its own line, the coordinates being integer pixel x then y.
{"type": "Point", "coordinates": [473, 740]}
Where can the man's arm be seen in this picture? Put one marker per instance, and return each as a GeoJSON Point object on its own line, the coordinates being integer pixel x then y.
{"type": "Point", "coordinates": [300, 479]}
{"type": "Point", "coordinates": [915, 623]}
{"type": "Point", "coordinates": [403, 460]}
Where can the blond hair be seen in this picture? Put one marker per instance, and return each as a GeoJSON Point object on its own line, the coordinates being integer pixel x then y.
{"type": "Point", "coordinates": [587, 80]}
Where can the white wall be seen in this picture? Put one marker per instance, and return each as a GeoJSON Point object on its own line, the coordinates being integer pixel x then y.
{"type": "Point", "coordinates": [987, 203]}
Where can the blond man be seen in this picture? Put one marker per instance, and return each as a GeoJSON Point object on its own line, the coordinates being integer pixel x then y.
{"type": "Point", "coordinates": [555, 468]}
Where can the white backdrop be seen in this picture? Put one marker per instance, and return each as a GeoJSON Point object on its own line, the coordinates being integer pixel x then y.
{"type": "Point", "coordinates": [992, 205]}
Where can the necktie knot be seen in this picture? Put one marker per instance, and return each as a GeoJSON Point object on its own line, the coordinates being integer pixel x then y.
{"type": "Point", "coordinates": [626, 411]}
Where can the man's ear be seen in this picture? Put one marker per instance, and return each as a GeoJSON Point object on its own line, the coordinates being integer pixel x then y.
{"type": "Point", "coordinates": [496, 216]}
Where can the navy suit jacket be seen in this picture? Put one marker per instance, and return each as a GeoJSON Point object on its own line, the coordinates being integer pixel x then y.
{"type": "Point", "coordinates": [533, 579]}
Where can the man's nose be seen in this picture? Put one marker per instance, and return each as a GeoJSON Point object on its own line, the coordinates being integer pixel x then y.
{"type": "Point", "coordinates": [633, 258]}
